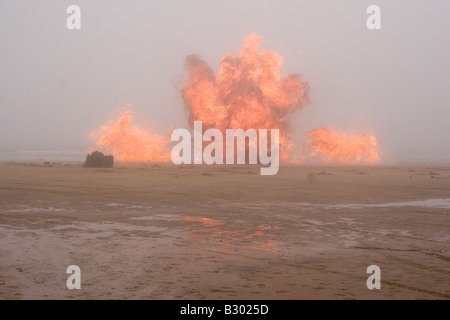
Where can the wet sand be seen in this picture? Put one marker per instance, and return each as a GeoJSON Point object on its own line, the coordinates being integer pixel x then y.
{"type": "Point", "coordinates": [143, 231]}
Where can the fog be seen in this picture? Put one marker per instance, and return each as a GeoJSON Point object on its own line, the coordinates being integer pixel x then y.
{"type": "Point", "coordinates": [57, 85]}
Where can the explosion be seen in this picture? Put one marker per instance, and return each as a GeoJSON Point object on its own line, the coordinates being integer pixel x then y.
{"type": "Point", "coordinates": [343, 148]}
{"type": "Point", "coordinates": [129, 143]}
{"type": "Point", "coordinates": [247, 93]}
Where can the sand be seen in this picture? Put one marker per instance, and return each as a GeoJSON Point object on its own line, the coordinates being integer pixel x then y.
{"type": "Point", "coordinates": [143, 231]}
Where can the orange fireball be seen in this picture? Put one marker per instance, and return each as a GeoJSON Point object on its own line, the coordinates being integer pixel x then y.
{"type": "Point", "coordinates": [343, 148]}
{"type": "Point", "coordinates": [247, 93]}
{"type": "Point", "coordinates": [130, 143]}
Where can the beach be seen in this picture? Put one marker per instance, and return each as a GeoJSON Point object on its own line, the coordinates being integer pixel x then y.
{"type": "Point", "coordinates": [161, 231]}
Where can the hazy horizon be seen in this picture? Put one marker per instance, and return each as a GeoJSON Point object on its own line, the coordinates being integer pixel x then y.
{"type": "Point", "coordinates": [58, 85]}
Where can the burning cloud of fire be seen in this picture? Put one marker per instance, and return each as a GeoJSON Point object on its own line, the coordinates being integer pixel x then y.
{"type": "Point", "coordinates": [248, 92]}
{"type": "Point", "coordinates": [342, 148]}
{"type": "Point", "coordinates": [129, 143]}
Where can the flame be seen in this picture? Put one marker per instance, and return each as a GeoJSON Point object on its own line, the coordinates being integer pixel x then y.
{"type": "Point", "coordinates": [343, 148]}
{"type": "Point", "coordinates": [247, 93]}
{"type": "Point", "coordinates": [129, 143]}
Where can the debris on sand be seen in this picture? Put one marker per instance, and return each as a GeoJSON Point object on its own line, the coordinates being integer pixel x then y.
{"type": "Point", "coordinates": [98, 160]}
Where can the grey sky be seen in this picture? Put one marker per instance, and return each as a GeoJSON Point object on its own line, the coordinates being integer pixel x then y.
{"type": "Point", "coordinates": [58, 85]}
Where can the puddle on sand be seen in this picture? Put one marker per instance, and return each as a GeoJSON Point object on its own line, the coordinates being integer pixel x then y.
{"type": "Point", "coordinates": [22, 208]}
{"type": "Point", "coordinates": [229, 236]}
{"type": "Point", "coordinates": [429, 203]}
{"type": "Point", "coordinates": [162, 216]}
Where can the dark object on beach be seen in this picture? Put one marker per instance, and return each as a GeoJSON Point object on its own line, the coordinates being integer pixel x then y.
{"type": "Point", "coordinates": [98, 160]}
